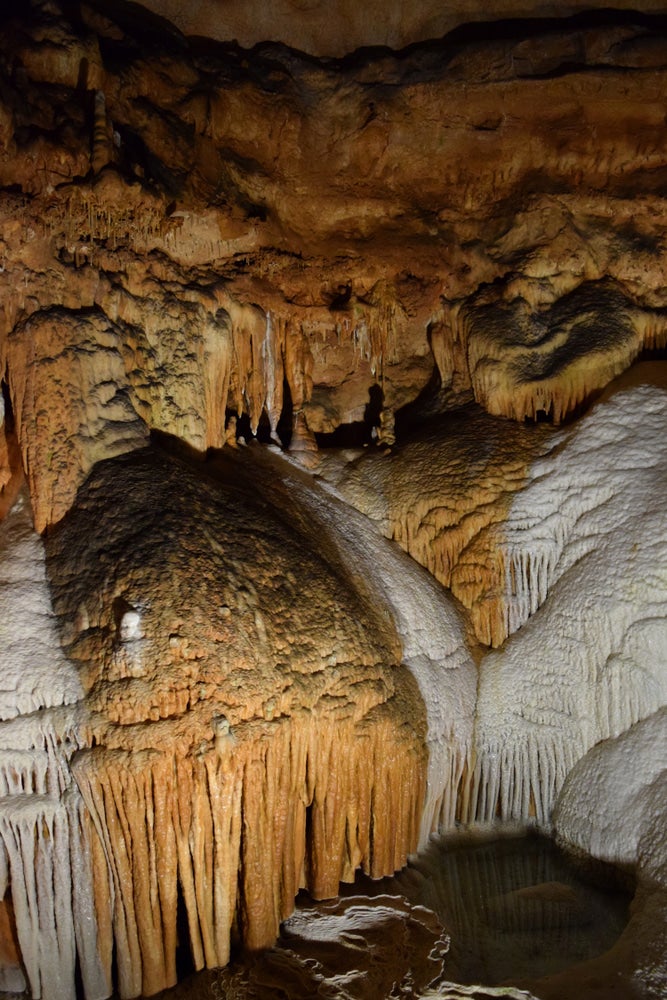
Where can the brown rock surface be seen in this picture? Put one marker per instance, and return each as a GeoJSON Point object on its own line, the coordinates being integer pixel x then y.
{"type": "Point", "coordinates": [281, 236]}
{"type": "Point", "coordinates": [444, 496]}
{"type": "Point", "coordinates": [249, 727]}
{"type": "Point", "coordinates": [201, 243]}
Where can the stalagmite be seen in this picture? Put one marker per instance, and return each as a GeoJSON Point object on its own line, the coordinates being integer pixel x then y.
{"type": "Point", "coordinates": [101, 144]}
{"type": "Point", "coordinates": [232, 790]}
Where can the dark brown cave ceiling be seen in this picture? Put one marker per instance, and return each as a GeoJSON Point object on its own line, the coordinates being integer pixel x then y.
{"type": "Point", "coordinates": [325, 28]}
{"type": "Point", "coordinates": [225, 223]}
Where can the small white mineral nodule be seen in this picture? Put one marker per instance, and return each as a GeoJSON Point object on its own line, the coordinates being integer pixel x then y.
{"type": "Point", "coordinates": [130, 626]}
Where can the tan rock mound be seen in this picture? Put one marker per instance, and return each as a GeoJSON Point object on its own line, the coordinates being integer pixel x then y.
{"type": "Point", "coordinates": [249, 728]}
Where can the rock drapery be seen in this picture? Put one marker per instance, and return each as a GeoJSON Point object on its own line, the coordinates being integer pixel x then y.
{"type": "Point", "coordinates": [176, 760]}
{"type": "Point", "coordinates": [560, 559]}
{"type": "Point", "coordinates": [254, 692]}
{"type": "Point", "coordinates": [276, 236]}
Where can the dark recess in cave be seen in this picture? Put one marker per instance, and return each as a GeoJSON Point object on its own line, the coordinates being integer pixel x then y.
{"type": "Point", "coordinates": [9, 412]}
{"type": "Point", "coordinates": [185, 965]}
{"type": "Point", "coordinates": [358, 433]}
{"type": "Point", "coordinates": [286, 421]}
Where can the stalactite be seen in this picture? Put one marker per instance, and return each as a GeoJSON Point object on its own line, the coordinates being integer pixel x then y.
{"type": "Point", "coordinates": [376, 327]}
{"type": "Point", "coordinates": [35, 835]}
{"type": "Point", "coordinates": [47, 864]}
{"type": "Point", "coordinates": [500, 371]}
{"type": "Point", "coordinates": [518, 779]}
{"type": "Point", "coordinates": [215, 371]}
{"type": "Point", "coordinates": [434, 649]}
{"type": "Point", "coordinates": [231, 826]}
{"type": "Point", "coordinates": [90, 900]}
{"type": "Point", "coordinates": [73, 360]}
{"type": "Point", "coordinates": [298, 363]}
{"type": "Point", "coordinates": [272, 363]}
{"type": "Point", "coordinates": [101, 145]}
{"type": "Point", "coordinates": [248, 380]}
{"type": "Point", "coordinates": [453, 523]}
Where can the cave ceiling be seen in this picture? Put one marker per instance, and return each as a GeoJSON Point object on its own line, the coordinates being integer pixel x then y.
{"type": "Point", "coordinates": [433, 239]}
{"type": "Point", "coordinates": [335, 29]}
{"type": "Point", "coordinates": [269, 234]}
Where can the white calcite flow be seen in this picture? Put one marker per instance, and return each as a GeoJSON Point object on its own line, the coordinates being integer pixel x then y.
{"type": "Point", "coordinates": [615, 794]}
{"type": "Point", "coordinates": [587, 598]}
{"type": "Point", "coordinates": [432, 632]}
{"type": "Point", "coordinates": [613, 807]}
{"type": "Point", "coordinates": [44, 859]}
{"type": "Point", "coordinates": [35, 672]}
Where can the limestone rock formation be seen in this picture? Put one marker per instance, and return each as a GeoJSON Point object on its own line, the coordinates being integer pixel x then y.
{"type": "Point", "coordinates": [552, 539]}
{"type": "Point", "coordinates": [613, 807]}
{"type": "Point", "coordinates": [287, 237]}
{"type": "Point", "coordinates": [584, 573]}
{"type": "Point", "coordinates": [233, 684]}
{"type": "Point", "coordinates": [408, 269]}
{"type": "Point", "coordinates": [624, 781]}
{"type": "Point", "coordinates": [445, 496]}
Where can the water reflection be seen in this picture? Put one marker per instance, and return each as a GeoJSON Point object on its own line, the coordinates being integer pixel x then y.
{"type": "Point", "coordinates": [515, 908]}
{"type": "Point", "coordinates": [492, 912]}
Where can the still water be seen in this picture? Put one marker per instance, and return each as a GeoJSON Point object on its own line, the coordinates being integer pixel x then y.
{"type": "Point", "coordinates": [515, 908]}
{"type": "Point", "coordinates": [492, 912]}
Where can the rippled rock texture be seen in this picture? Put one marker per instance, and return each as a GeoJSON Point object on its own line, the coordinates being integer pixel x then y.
{"type": "Point", "coordinates": [231, 722]}
{"type": "Point", "coordinates": [232, 685]}
{"type": "Point", "coordinates": [192, 232]}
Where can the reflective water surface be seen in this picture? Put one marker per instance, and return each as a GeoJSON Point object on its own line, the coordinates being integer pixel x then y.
{"type": "Point", "coordinates": [490, 912]}
{"type": "Point", "coordinates": [515, 908]}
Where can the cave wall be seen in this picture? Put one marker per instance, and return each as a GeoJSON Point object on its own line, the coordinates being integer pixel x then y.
{"type": "Point", "coordinates": [238, 687]}
{"type": "Point", "coordinates": [211, 232]}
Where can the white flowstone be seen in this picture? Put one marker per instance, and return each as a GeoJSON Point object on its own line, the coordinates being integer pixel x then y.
{"type": "Point", "coordinates": [613, 806]}
{"type": "Point", "coordinates": [43, 851]}
{"type": "Point", "coordinates": [587, 544]}
{"type": "Point", "coordinates": [35, 673]}
{"type": "Point", "coordinates": [615, 795]}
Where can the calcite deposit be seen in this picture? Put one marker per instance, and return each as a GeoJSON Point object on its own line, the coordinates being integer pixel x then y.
{"type": "Point", "coordinates": [278, 237]}
{"type": "Point", "coordinates": [559, 558]}
{"type": "Point", "coordinates": [613, 808]}
{"type": "Point", "coordinates": [221, 730]}
{"type": "Point", "coordinates": [276, 327]}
